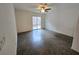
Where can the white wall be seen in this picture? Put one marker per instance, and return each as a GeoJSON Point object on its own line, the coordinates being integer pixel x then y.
{"type": "Point", "coordinates": [63, 18]}
{"type": "Point", "coordinates": [43, 20]}
{"type": "Point", "coordinates": [8, 29]}
{"type": "Point", "coordinates": [75, 44]}
{"type": "Point", "coordinates": [24, 20]}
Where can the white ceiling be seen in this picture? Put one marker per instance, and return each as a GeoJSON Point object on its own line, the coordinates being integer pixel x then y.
{"type": "Point", "coordinates": [30, 6]}
{"type": "Point", "coordinates": [33, 6]}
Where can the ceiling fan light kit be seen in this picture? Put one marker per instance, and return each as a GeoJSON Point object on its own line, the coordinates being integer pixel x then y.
{"type": "Point", "coordinates": [43, 7]}
{"type": "Point", "coordinates": [42, 10]}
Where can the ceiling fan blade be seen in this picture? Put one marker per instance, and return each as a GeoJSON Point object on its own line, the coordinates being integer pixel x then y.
{"type": "Point", "coordinates": [48, 9]}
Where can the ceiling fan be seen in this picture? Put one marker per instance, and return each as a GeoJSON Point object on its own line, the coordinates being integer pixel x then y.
{"type": "Point", "coordinates": [43, 7]}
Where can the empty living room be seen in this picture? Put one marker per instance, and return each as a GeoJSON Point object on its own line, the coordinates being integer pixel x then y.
{"type": "Point", "coordinates": [39, 28]}
{"type": "Point", "coordinates": [46, 28]}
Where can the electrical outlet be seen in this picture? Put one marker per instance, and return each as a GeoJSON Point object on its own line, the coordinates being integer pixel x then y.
{"type": "Point", "coordinates": [2, 42]}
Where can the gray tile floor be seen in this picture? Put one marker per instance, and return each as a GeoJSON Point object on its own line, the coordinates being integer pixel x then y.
{"type": "Point", "coordinates": [44, 42]}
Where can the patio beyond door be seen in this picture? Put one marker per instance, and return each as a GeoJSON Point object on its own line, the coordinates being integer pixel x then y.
{"type": "Point", "coordinates": [36, 22]}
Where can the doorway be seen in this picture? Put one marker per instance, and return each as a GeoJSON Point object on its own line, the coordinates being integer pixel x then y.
{"type": "Point", "coordinates": [36, 22]}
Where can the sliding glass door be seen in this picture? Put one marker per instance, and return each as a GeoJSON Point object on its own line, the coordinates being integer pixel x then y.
{"type": "Point", "coordinates": [36, 22]}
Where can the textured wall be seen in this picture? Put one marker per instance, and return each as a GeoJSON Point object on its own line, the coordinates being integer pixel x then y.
{"type": "Point", "coordinates": [8, 29]}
